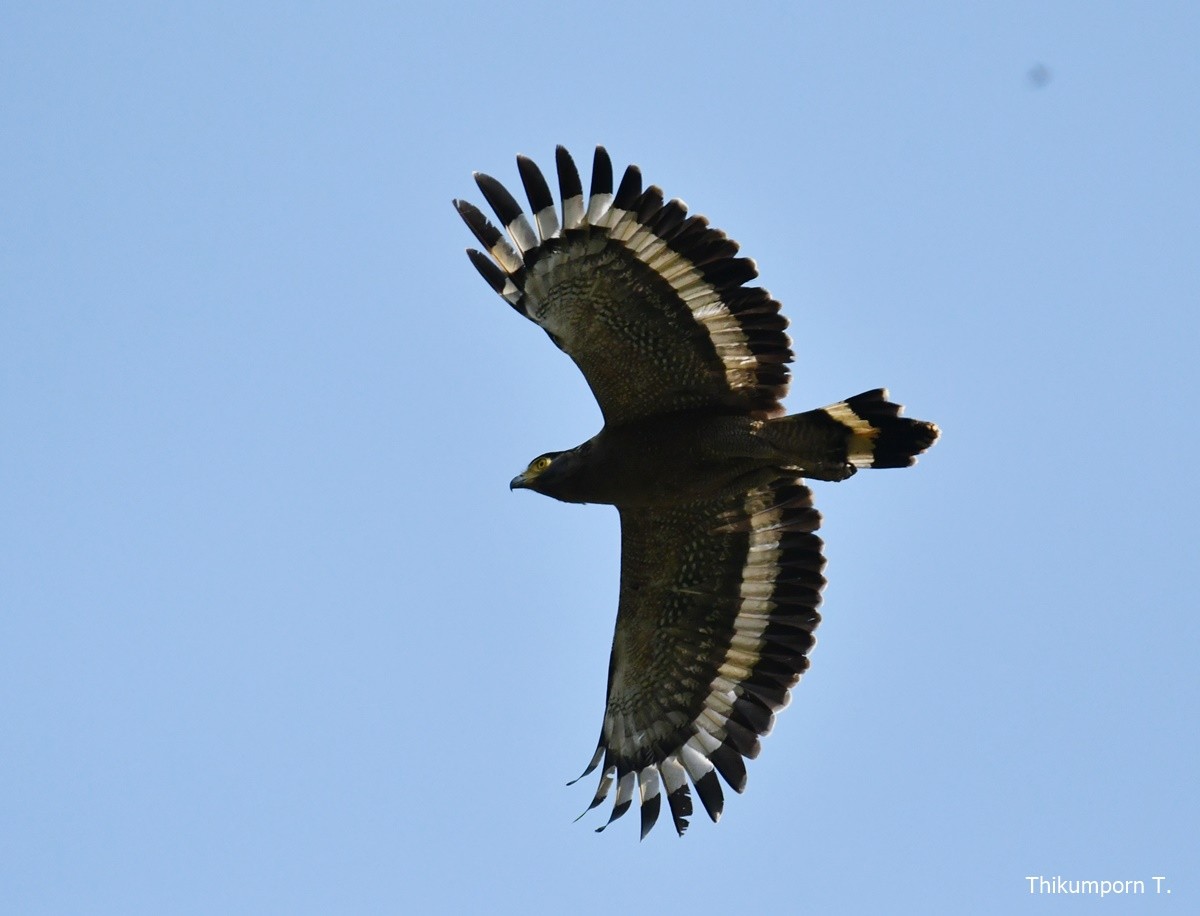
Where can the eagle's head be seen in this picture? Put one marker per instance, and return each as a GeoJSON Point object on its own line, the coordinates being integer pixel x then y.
{"type": "Point", "coordinates": [551, 474]}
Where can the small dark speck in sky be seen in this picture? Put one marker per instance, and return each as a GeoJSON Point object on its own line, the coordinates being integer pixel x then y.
{"type": "Point", "coordinates": [1039, 76]}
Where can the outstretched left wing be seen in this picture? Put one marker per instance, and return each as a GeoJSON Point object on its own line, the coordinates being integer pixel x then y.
{"type": "Point", "coordinates": [649, 302]}
{"type": "Point", "coordinates": [717, 609]}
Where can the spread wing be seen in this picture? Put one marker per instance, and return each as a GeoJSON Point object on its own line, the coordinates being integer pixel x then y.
{"type": "Point", "coordinates": [649, 302]}
{"type": "Point", "coordinates": [717, 610]}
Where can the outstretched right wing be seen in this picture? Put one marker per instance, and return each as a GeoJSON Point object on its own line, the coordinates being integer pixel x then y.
{"type": "Point", "coordinates": [717, 611]}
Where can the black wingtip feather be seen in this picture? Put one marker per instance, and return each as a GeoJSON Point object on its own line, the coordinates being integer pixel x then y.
{"type": "Point", "coordinates": [602, 790]}
{"type": "Point", "coordinates": [680, 803]}
{"type": "Point", "coordinates": [730, 272]}
{"type": "Point", "coordinates": [535, 184]}
{"type": "Point", "coordinates": [648, 205]}
{"type": "Point", "coordinates": [650, 809]}
{"type": "Point", "coordinates": [730, 765]}
{"type": "Point", "coordinates": [592, 764]}
{"type": "Point", "coordinates": [487, 268]}
{"type": "Point", "coordinates": [569, 183]}
{"type": "Point", "coordinates": [602, 175]}
{"type": "Point", "coordinates": [479, 225]}
{"type": "Point", "coordinates": [629, 189]}
{"type": "Point", "coordinates": [617, 812]}
{"type": "Point", "coordinates": [711, 796]}
{"type": "Point", "coordinates": [497, 196]}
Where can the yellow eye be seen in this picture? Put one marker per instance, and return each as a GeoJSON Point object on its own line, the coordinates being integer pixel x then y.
{"type": "Point", "coordinates": [540, 464]}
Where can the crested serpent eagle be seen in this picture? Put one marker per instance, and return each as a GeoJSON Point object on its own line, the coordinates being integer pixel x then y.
{"type": "Point", "coordinates": [721, 569]}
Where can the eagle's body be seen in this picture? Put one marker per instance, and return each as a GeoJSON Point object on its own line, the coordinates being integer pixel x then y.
{"type": "Point", "coordinates": [659, 461]}
{"type": "Point", "coordinates": [721, 571]}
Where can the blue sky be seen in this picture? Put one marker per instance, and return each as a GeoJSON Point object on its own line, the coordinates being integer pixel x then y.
{"type": "Point", "coordinates": [275, 635]}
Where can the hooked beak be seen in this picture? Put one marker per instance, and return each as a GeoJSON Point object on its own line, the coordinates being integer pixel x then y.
{"type": "Point", "coordinates": [520, 482]}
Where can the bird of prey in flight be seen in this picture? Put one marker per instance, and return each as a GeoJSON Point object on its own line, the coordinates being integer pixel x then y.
{"type": "Point", "coordinates": [721, 568]}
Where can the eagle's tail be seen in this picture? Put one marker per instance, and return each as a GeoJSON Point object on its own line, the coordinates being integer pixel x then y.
{"type": "Point", "coordinates": [865, 431]}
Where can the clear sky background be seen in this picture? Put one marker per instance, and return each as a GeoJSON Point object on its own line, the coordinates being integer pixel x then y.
{"type": "Point", "coordinates": [275, 636]}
